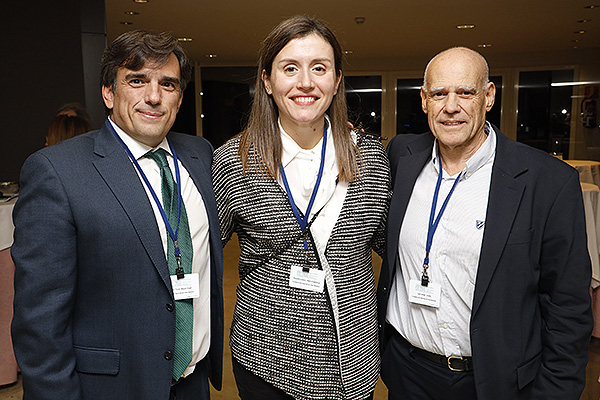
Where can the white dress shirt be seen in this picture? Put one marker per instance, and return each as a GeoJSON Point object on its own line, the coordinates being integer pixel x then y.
{"type": "Point", "coordinates": [198, 223]}
{"type": "Point", "coordinates": [454, 255]}
{"type": "Point", "coordinates": [301, 168]}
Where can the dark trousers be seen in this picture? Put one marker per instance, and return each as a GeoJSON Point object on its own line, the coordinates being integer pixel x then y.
{"type": "Point", "coordinates": [409, 376]}
{"type": "Point", "coordinates": [251, 387]}
{"type": "Point", "coordinates": [195, 386]}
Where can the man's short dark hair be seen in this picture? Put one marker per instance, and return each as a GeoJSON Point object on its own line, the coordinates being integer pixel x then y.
{"type": "Point", "coordinates": [134, 49]}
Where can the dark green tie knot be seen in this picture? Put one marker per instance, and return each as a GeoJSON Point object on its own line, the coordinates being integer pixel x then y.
{"type": "Point", "coordinates": [159, 156]}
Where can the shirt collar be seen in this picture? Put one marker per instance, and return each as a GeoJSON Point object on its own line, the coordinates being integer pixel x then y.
{"type": "Point", "coordinates": [138, 149]}
{"type": "Point", "coordinates": [481, 157]}
{"type": "Point", "coordinates": [291, 149]}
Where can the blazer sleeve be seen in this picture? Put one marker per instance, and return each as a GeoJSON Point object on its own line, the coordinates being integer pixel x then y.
{"type": "Point", "coordinates": [44, 253]}
{"type": "Point", "coordinates": [382, 166]}
{"type": "Point", "coordinates": [222, 167]}
{"type": "Point", "coordinates": [564, 298]}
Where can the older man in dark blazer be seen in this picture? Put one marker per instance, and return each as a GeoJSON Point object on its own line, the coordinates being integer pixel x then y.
{"type": "Point", "coordinates": [118, 287]}
{"type": "Point", "coordinates": [484, 291]}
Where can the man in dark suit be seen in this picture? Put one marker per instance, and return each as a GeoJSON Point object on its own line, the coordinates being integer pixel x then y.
{"type": "Point", "coordinates": [484, 291]}
{"type": "Point", "coordinates": [118, 282]}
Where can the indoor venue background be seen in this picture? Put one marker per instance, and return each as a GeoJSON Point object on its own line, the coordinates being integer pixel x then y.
{"type": "Point", "coordinates": [544, 58]}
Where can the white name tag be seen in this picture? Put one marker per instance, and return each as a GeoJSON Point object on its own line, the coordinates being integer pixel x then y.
{"type": "Point", "coordinates": [425, 295]}
{"type": "Point", "coordinates": [186, 288]}
{"type": "Point", "coordinates": [312, 280]}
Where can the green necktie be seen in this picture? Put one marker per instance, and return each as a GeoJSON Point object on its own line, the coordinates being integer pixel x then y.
{"type": "Point", "coordinates": [184, 312]}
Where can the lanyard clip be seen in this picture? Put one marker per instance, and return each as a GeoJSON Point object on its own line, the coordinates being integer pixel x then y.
{"type": "Point", "coordinates": [179, 271]}
{"type": "Point", "coordinates": [425, 277]}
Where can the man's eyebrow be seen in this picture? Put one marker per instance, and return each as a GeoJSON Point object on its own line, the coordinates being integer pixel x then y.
{"type": "Point", "coordinates": [132, 75]}
{"type": "Point", "coordinates": [468, 88]}
{"type": "Point", "coordinates": [170, 79]}
{"type": "Point", "coordinates": [436, 89]}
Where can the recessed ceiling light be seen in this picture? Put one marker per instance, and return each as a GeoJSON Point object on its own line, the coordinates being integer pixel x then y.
{"type": "Point", "coordinates": [592, 6]}
{"type": "Point", "coordinates": [210, 55]}
{"type": "Point", "coordinates": [575, 40]}
{"type": "Point", "coordinates": [583, 21]}
{"type": "Point", "coordinates": [465, 26]}
{"type": "Point", "coordinates": [360, 20]}
{"type": "Point", "coordinates": [185, 39]}
{"type": "Point", "coordinates": [484, 45]}
{"type": "Point", "coordinates": [581, 32]}
{"type": "Point", "coordinates": [131, 12]}
{"type": "Point", "coordinates": [141, 1]}
{"type": "Point", "coordinates": [126, 23]}
{"type": "Point", "coordinates": [348, 52]}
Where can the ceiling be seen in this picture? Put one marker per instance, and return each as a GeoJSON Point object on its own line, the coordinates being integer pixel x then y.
{"type": "Point", "coordinates": [233, 29]}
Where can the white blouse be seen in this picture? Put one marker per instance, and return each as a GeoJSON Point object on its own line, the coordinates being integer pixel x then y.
{"type": "Point", "coordinates": [301, 169]}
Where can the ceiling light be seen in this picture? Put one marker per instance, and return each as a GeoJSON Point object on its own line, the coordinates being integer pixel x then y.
{"type": "Point", "coordinates": [583, 21]}
{"type": "Point", "coordinates": [210, 55]}
{"type": "Point", "coordinates": [465, 26]}
{"type": "Point", "coordinates": [348, 52]}
{"type": "Point", "coordinates": [126, 23]}
{"type": "Point", "coordinates": [131, 12]}
{"type": "Point", "coordinates": [484, 45]}
{"type": "Point", "coordinates": [592, 6]}
{"type": "Point", "coordinates": [581, 32]}
{"type": "Point", "coordinates": [360, 20]}
{"type": "Point", "coordinates": [141, 1]}
{"type": "Point", "coordinates": [185, 39]}
{"type": "Point", "coordinates": [365, 90]}
{"type": "Point", "coordinates": [579, 83]}
{"type": "Point", "coordinates": [575, 40]}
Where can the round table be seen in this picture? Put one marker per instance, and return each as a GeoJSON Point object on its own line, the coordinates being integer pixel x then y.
{"type": "Point", "coordinates": [8, 364]}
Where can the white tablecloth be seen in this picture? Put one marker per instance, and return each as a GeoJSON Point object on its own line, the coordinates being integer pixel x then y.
{"type": "Point", "coordinates": [589, 171]}
{"type": "Point", "coordinates": [591, 203]}
{"type": "Point", "coordinates": [8, 365]}
{"type": "Point", "coordinates": [6, 224]}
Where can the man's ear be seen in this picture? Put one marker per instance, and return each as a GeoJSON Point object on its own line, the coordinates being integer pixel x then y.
{"type": "Point", "coordinates": [424, 100]}
{"type": "Point", "coordinates": [108, 96]}
{"type": "Point", "coordinates": [490, 96]}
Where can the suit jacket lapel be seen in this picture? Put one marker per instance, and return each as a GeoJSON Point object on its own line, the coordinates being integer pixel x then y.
{"type": "Point", "coordinates": [505, 196]}
{"type": "Point", "coordinates": [405, 174]}
{"type": "Point", "coordinates": [114, 166]}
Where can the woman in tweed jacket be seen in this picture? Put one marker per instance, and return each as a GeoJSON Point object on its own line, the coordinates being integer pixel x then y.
{"type": "Point", "coordinates": [291, 339]}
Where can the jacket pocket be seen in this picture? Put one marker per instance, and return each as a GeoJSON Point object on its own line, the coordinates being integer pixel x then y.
{"type": "Point", "coordinates": [94, 360]}
{"type": "Point", "coordinates": [520, 237]}
{"type": "Point", "coordinates": [527, 372]}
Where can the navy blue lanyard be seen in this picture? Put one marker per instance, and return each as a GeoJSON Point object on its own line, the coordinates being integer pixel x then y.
{"type": "Point", "coordinates": [304, 222]}
{"type": "Point", "coordinates": [434, 221]}
{"type": "Point", "coordinates": [172, 234]}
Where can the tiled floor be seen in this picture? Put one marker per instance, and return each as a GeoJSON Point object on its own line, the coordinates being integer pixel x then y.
{"type": "Point", "coordinates": [229, 392]}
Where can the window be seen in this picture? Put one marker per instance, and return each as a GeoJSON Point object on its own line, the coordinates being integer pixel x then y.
{"type": "Point", "coordinates": [363, 95]}
{"type": "Point", "coordinates": [544, 110]}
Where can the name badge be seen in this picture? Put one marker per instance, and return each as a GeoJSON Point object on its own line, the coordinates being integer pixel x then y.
{"type": "Point", "coordinates": [186, 288]}
{"type": "Point", "coordinates": [429, 295]}
{"type": "Point", "coordinates": [313, 279]}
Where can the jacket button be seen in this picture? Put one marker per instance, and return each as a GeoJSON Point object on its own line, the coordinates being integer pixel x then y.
{"type": "Point", "coordinates": [169, 307]}
{"type": "Point", "coordinates": [168, 355]}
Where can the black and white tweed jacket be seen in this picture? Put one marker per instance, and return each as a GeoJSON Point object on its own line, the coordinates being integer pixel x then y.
{"type": "Point", "coordinates": [311, 345]}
